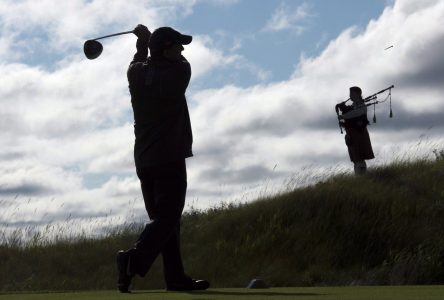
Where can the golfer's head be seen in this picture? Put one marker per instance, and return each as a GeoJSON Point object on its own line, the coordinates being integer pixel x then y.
{"type": "Point", "coordinates": [167, 42]}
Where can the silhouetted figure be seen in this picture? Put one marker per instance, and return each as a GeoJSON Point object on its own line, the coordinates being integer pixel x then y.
{"type": "Point", "coordinates": [354, 120]}
{"type": "Point", "coordinates": [163, 140]}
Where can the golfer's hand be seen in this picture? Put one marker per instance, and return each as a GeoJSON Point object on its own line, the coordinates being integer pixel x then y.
{"type": "Point", "coordinates": [142, 32]}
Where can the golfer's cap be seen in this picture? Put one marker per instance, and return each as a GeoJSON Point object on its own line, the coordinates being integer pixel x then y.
{"type": "Point", "coordinates": [164, 37]}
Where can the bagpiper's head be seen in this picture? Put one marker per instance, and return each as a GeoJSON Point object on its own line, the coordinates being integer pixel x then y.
{"type": "Point", "coordinates": [355, 93]}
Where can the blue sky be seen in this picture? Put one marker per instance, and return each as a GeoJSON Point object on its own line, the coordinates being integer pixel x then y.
{"type": "Point", "coordinates": [266, 77]}
{"type": "Point", "coordinates": [277, 51]}
{"type": "Point", "coordinates": [243, 22]}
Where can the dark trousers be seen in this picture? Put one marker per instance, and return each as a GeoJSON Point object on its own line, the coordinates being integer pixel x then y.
{"type": "Point", "coordinates": [163, 188]}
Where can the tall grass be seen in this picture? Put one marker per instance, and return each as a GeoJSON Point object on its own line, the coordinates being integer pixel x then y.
{"type": "Point", "coordinates": [386, 227]}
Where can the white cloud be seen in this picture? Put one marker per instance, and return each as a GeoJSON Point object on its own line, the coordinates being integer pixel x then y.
{"type": "Point", "coordinates": [204, 56]}
{"type": "Point", "coordinates": [31, 177]}
{"type": "Point", "coordinates": [61, 125]}
{"type": "Point", "coordinates": [292, 123]}
{"type": "Point", "coordinates": [286, 17]}
{"type": "Point", "coordinates": [118, 187]}
{"type": "Point", "coordinates": [68, 23]}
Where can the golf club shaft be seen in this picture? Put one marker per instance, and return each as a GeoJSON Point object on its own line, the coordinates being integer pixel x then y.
{"type": "Point", "coordinates": [106, 36]}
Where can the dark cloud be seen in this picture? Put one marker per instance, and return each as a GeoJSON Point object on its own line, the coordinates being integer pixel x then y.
{"type": "Point", "coordinates": [426, 68]}
{"type": "Point", "coordinates": [56, 217]}
{"type": "Point", "coordinates": [12, 155]}
{"type": "Point", "coordinates": [245, 175]}
{"type": "Point", "coordinates": [312, 161]}
{"type": "Point", "coordinates": [281, 122]}
{"type": "Point", "coordinates": [277, 126]}
{"type": "Point", "coordinates": [23, 224]}
{"type": "Point", "coordinates": [328, 121]}
{"type": "Point", "coordinates": [26, 189]}
{"type": "Point", "coordinates": [213, 148]}
{"type": "Point", "coordinates": [402, 119]}
{"type": "Point", "coordinates": [12, 123]}
{"type": "Point", "coordinates": [198, 192]}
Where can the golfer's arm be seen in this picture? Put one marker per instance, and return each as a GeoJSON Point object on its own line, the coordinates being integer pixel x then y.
{"type": "Point", "coordinates": [142, 51]}
{"type": "Point", "coordinates": [176, 82]}
{"type": "Point", "coordinates": [138, 59]}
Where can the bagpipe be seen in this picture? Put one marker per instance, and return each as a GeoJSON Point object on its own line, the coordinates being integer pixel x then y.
{"type": "Point", "coordinates": [370, 100]}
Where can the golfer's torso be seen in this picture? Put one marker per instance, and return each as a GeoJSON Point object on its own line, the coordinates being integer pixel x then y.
{"type": "Point", "coordinates": [162, 124]}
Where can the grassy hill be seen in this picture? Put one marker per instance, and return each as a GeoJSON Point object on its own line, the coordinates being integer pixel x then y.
{"type": "Point", "coordinates": [383, 228]}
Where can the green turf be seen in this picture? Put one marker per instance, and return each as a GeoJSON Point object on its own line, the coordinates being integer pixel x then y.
{"type": "Point", "coordinates": [309, 293]}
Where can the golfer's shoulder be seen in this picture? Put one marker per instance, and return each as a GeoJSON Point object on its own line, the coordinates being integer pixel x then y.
{"type": "Point", "coordinates": [184, 64]}
{"type": "Point", "coordinates": [181, 68]}
{"type": "Point", "coordinates": [135, 69]}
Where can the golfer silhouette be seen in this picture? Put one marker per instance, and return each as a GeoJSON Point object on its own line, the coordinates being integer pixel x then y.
{"type": "Point", "coordinates": [163, 140]}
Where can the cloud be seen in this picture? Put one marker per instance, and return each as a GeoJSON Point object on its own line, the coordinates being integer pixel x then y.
{"type": "Point", "coordinates": [65, 123]}
{"type": "Point", "coordinates": [32, 178]}
{"type": "Point", "coordinates": [249, 174]}
{"type": "Point", "coordinates": [286, 17]}
{"type": "Point", "coordinates": [223, 2]}
{"type": "Point", "coordinates": [26, 189]}
{"type": "Point", "coordinates": [59, 21]}
{"type": "Point", "coordinates": [67, 119]}
{"type": "Point", "coordinates": [79, 113]}
{"type": "Point", "coordinates": [292, 123]}
{"type": "Point", "coordinates": [122, 187]}
{"type": "Point", "coordinates": [205, 57]}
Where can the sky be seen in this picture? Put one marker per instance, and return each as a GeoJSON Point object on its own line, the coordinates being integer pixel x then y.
{"type": "Point", "coordinates": [266, 77]}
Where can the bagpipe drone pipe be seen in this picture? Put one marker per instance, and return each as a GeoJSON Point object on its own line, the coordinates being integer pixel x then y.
{"type": "Point", "coordinates": [341, 108]}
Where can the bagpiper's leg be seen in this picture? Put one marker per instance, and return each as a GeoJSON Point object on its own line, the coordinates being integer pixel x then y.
{"type": "Point", "coordinates": [360, 167]}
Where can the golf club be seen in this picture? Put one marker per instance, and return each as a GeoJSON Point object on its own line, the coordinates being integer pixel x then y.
{"type": "Point", "coordinates": [93, 48]}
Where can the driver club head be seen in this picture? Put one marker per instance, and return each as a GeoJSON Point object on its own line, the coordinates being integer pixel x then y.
{"type": "Point", "coordinates": [92, 49]}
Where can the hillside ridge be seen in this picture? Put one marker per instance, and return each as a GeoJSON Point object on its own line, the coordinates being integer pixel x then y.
{"type": "Point", "coordinates": [386, 227]}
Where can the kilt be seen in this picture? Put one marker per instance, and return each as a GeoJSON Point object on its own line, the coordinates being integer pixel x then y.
{"type": "Point", "coordinates": [358, 144]}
